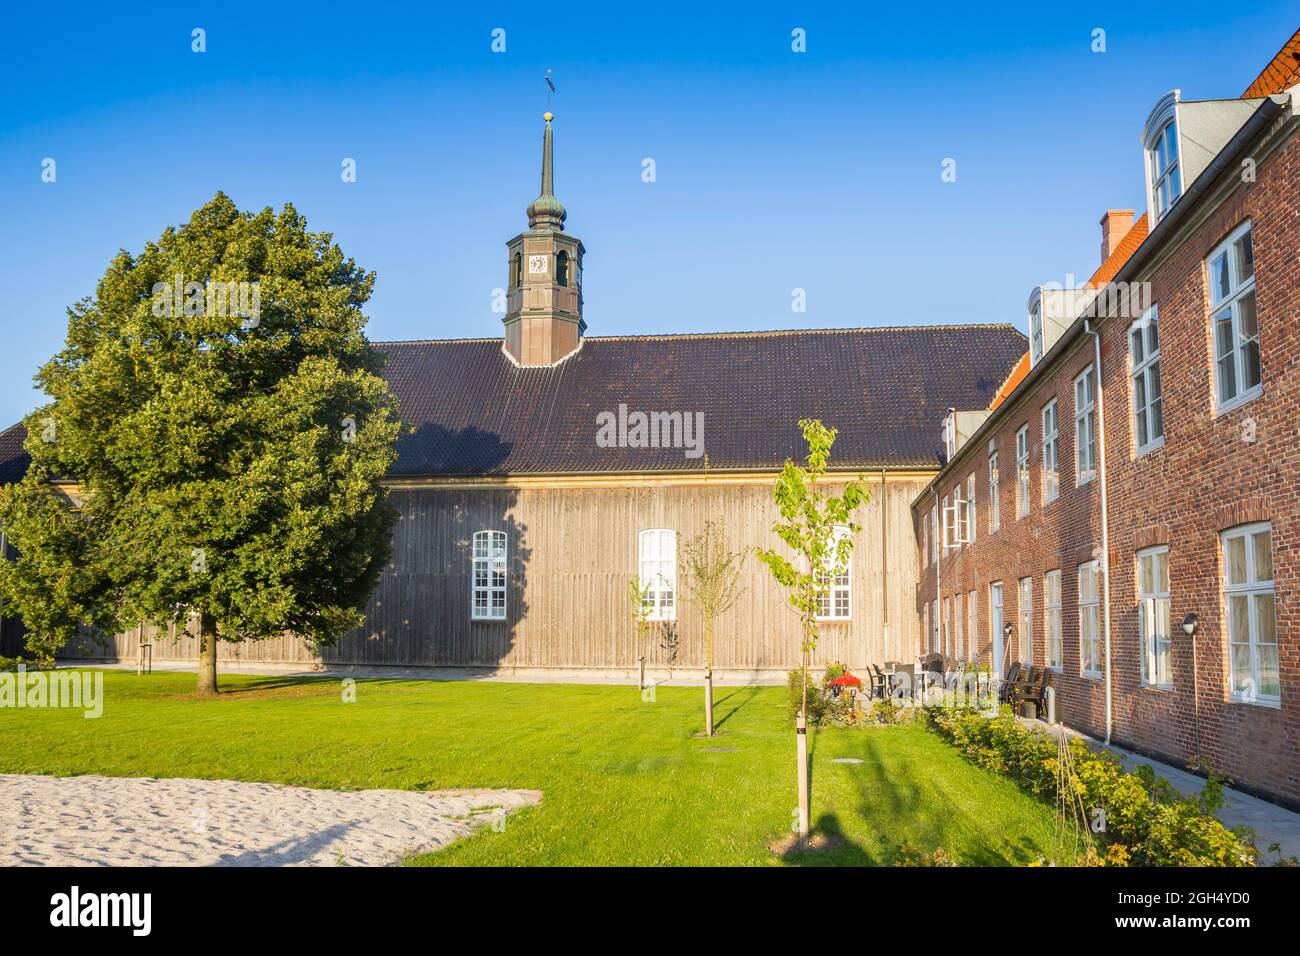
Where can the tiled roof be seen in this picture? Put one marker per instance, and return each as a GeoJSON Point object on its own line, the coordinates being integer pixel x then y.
{"type": "Point", "coordinates": [474, 412]}
{"type": "Point", "coordinates": [886, 390]}
{"type": "Point", "coordinates": [1120, 254]}
{"type": "Point", "coordinates": [1282, 72]}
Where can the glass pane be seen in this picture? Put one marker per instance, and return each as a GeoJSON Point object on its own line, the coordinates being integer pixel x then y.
{"type": "Point", "coordinates": [1171, 144]}
{"type": "Point", "coordinates": [1146, 565]}
{"type": "Point", "coordinates": [1153, 336]}
{"type": "Point", "coordinates": [1135, 346]}
{"type": "Point", "coordinates": [1160, 561]}
{"type": "Point", "coordinates": [1239, 618]}
{"type": "Point", "coordinates": [1236, 559]}
{"type": "Point", "coordinates": [1241, 680]}
{"type": "Point", "coordinates": [1245, 256]}
{"type": "Point", "coordinates": [1247, 321]}
{"type": "Point", "coordinates": [1262, 545]}
{"type": "Point", "coordinates": [1266, 661]}
{"type": "Point", "coordinates": [1265, 619]}
{"type": "Point", "coordinates": [1157, 419]}
{"type": "Point", "coordinates": [1176, 182]}
{"type": "Point", "coordinates": [1220, 285]}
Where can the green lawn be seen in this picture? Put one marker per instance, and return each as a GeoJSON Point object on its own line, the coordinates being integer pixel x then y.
{"type": "Point", "coordinates": [624, 782]}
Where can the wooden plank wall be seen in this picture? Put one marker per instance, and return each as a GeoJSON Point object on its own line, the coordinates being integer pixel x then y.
{"type": "Point", "coordinates": [571, 553]}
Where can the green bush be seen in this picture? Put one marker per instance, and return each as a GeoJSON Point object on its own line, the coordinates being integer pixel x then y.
{"type": "Point", "coordinates": [1148, 823]}
{"type": "Point", "coordinates": [817, 704]}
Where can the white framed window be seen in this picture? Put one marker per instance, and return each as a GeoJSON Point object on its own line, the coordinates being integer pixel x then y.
{"type": "Point", "coordinates": [970, 508]}
{"type": "Point", "coordinates": [1051, 454]}
{"type": "Point", "coordinates": [972, 627]}
{"type": "Point", "coordinates": [996, 623]}
{"type": "Point", "coordinates": [948, 530]}
{"type": "Point", "coordinates": [657, 563]}
{"type": "Point", "coordinates": [1025, 608]}
{"type": "Point", "coordinates": [934, 628]}
{"type": "Point", "coordinates": [1231, 270]}
{"type": "Point", "coordinates": [1162, 161]}
{"type": "Point", "coordinates": [934, 534]}
{"type": "Point", "coordinates": [488, 596]}
{"type": "Point", "coordinates": [1036, 331]}
{"type": "Point", "coordinates": [960, 532]}
{"type": "Point", "coordinates": [947, 627]}
{"type": "Point", "coordinates": [1085, 427]}
{"type": "Point", "coordinates": [1154, 616]}
{"type": "Point", "coordinates": [1052, 617]}
{"type": "Point", "coordinates": [958, 620]}
{"type": "Point", "coordinates": [925, 620]}
{"type": "Point", "coordinates": [1022, 471]}
{"type": "Point", "coordinates": [835, 600]}
{"type": "Point", "coordinates": [1252, 619]}
{"type": "Point", "coordinates": [925, 541]}
{"type": "Point", "coordinates": [1090, 619]}
{"type": "Point", "coordinates": [1144, 370]}
{"type": "Point", "coordinates": [995, 506]}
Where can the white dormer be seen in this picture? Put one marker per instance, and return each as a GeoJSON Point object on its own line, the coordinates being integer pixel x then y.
{"type": "Point", "coordinates": [1181, 138]}
{"type": "Point", "coordinates": [1052, 308]}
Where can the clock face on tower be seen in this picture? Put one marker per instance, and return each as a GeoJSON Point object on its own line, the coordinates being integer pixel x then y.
{"type": "Point", "coordinates": [537, 265]}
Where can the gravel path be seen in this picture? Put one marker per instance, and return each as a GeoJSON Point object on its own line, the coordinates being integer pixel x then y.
{"type": "Point", "coordinates": [138, 821]}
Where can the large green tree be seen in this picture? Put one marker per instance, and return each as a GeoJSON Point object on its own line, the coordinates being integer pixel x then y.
{"type": "Point", "coordinates": [219, 418]}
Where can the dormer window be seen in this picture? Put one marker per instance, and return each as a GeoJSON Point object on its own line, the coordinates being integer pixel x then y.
{"type": "Point", "coordinates": [1166, 185]}
{"type": "Point", "coordinates": [1164, 168]}
{"type": "Point", "coordinates": [1036, 331]}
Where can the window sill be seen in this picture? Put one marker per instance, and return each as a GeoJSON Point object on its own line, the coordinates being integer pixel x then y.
{"type": "Point", "coordinates": [1148, 449]}
{"type": "Point", "coordinates": [487, 620]}
{"type": "Point", "coordinates": [1267, 704]}
{"type": "Point", "coordinates": [1085, 479]}
{"type": "Point", "coordinates": [1157, 688]}
{"type": "Point", "coordinates": [1090, 675]}
{"type": "Point", "coordinates": [1245, 398]}
{"type": "Point", "coordinates": [833, 620]}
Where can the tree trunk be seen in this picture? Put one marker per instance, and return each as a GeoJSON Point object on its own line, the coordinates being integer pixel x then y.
{"type": "Point", "coordinates": [207, 686]}
{"type": "Point", "coordinates": [708, 678]}
{"type": "Point", "coordinates": [801, 746]}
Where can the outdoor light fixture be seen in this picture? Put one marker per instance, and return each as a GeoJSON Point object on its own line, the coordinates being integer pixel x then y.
{"type": "Point", "coordinates": [1189, 624]}
{"type": "Point", "coordinates": [1006, 630]}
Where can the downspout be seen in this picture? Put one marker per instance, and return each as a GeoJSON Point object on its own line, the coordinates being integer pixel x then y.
{"type": "Point", "coordinates": [938, 588]}
{"type": "Point", "coordinates": [884, 567]}
{"type": "Point", "coordinates": [1105, 514]}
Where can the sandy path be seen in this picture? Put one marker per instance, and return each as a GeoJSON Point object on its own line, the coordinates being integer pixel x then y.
{"type": "Point", "coordinates": [137, 821]}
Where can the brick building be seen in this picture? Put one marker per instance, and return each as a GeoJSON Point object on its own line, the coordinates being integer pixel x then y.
{"type": "Point", "coordinates": [1142, 463]}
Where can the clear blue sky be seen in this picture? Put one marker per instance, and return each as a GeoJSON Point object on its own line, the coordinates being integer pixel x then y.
{"type": "Point", "coordinates": [775, 170]}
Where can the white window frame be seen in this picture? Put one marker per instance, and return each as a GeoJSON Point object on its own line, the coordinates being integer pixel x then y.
{"type": "Point", "coordinates": [1053, 649]}
{"type": "Point", "coordinates": [958, 623]}
{"type": "Point", "coordinates": [1036, 331]}
{"type": "Point", "coordinates": [1051, 453]}
{"type": "Point", "coordinates": [1154, 617]}
{"type": "Point", "coordinates": [934, 534]}
{"type": "Point", "coordinates": [936, 636]}
{"type": "Point", "coordinates": [487, 599]}
{"type": "Point", "coordinates": [1164, 143]}
{"type": "Point", "coordinates": [1089, 619]}
{"type": "Point", "coordinates": [836, 603]}
{"type": "Point", "coordinates": [946, 647]}
{"type": "Point", "coordinates": [1022, 471]}
{"type": "Point", "coordinates": [925, 540]}
{"type": "Point", "coordinates": [657, 571]}
{"type": "Point", "coordinates": [972, 626]}
{"type": "Point", "coordinates": [925, 619]}
{"type": "Point", "coordinates": [971, 517]}
{"type": "Point", "coordinates": [1144, 379]}
{"type": "Point", "coordinates": [1230, 302]}
{"type": "Point", "coordinates": [995, 506]}
{"type": "Point", "coordinates": [1025, 611]}
{"type": "Point", "coordinates": [1253, 590]}
{"type": "Point", "coordinates": [1085, 427]}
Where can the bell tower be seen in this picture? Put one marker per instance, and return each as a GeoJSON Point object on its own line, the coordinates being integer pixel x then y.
{"type": "Point", "coordinates": [543, 321]}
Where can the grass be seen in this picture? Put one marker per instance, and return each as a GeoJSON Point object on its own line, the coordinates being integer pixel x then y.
{"type": "Point", "coordinates": [624, 781]}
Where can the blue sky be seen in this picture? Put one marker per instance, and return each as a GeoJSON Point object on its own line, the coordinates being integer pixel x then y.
{"type": "Point", "coordinates": [775, 170]}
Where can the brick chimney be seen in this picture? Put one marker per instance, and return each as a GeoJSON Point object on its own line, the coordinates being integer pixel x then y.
{"type": "Point", "coordinates": [1115, 225]}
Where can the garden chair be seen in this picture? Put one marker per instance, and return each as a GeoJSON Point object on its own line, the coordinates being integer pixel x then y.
{"type": "Point", "coordinates": [1009, 683]}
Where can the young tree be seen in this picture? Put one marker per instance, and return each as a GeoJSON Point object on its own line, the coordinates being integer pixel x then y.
{"type": "Point", "coordinates": [809, 519]}
{"type": "Point", "coordinates": [712, 583]}
{"type": "Point", "coordinates": [221, 414]}
{"type": "Point", "coordinates": [638, 595]}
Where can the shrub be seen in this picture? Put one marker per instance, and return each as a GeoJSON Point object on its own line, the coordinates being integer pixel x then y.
{"type": "Point", "coordinates": [816, 697]}
{"type": "Point", "coordinates": [1147, 822]}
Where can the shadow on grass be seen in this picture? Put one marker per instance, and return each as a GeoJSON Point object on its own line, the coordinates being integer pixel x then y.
{"type": "Point", "coordinates": [749, 692]}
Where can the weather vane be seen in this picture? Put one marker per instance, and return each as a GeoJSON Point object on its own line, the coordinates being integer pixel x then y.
{"type": "Point", "coordinates": [550, 88]}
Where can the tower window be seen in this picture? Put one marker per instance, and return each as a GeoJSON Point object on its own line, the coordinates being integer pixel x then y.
{"type": "Point", "coordinates": [562, 268]}
{"type": "Point", "coordinates": [516, 270]}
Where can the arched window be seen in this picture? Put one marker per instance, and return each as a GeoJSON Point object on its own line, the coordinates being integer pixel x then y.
{"type": "Point", "coordinates": [657, 563]}
{"type": "Point", "coordinates": [562, 268]}
{"type": "Point", "coordinates": [516, 270]}
{"type": "Point", "coordinates": [488, 594]}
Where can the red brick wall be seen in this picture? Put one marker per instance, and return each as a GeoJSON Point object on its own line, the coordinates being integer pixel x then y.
{"type": "Point", "coordinates": [1205, 479]}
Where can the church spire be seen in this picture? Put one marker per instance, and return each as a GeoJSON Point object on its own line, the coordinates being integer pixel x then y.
{"type": "Point", "coordinates": [546, 212]}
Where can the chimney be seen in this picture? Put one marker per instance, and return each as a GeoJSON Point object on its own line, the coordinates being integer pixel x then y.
{"type": "Point", "coordinates": [1115, 225]}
